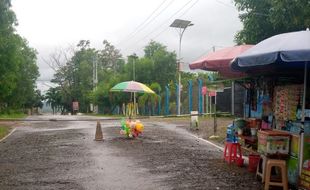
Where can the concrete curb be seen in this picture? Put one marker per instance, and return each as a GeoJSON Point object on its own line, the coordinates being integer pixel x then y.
{"type": "Point", "coordinates": [206, 141]}
{"type": "Point", "coordinates": [7, 135]}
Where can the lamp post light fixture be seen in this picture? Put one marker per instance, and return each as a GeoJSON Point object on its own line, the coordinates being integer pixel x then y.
{"type": "Point", "coordinates": [181, 25]}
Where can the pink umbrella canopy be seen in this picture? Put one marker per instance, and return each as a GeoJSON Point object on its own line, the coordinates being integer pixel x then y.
{"type": "Point", "coordinates": [131, 86]}
{"type": "Point", "coordinates": [220, 61]}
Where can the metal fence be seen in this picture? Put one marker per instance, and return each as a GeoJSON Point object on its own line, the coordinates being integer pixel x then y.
{"type": "Point", "coordinates": [193, 100]}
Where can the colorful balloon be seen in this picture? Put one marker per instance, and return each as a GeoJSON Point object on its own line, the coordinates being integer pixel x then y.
{"type": "Point", "coordinates": [131, 128]}
{"type": "Point", "coordinates": [139, 127]}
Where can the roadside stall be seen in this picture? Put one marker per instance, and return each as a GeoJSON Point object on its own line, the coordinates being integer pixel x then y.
{"type": "Point", "coordinates": [219, 61]}
{"type": "Point", "coordinates": [273, 120]}
{"type": "Point", "coordinates": [277, 105]}
{"type": "Point", "coordinates": [131, 127]}
{"type": "Point", "coordinates": [276, 109]}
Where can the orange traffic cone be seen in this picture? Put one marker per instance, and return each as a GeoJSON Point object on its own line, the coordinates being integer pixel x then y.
{"type": "Point", "coordinates": [98, 136]}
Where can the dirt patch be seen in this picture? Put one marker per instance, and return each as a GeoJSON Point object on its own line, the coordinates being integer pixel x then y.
{"type": "Point", "coordinates": [40, 160]}
{"type": "Point", "coordinates": [205, 128]}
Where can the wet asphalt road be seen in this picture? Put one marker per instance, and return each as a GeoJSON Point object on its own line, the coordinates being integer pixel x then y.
{"type": "Point", "coordinates": [64, 155]}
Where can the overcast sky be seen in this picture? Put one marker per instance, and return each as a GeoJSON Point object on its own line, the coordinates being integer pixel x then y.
{"type": "Point", "coordinates": [127, 24]}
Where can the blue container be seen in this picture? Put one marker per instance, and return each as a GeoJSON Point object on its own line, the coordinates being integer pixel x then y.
{"type": "Point", "coordinates": [231, 133]}
{"type": "Point", "coordinates": [294, 127]}
{"type": "Point", "coordinates": [231, 129]}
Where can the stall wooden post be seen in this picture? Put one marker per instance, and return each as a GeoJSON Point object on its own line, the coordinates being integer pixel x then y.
{"type": "Point", "coordinates": [301, 142]}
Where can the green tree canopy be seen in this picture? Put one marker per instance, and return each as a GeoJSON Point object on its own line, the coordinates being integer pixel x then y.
{"type": "Point", "coordinates": [265, 18]}
{"type": "Point", "coordinates": [159, 65]}
{"type": "Point", "coordinates": [17, 64]}
{"type": "Point", "coordinates": [156, 68]}
{"type": "Point", "coordinates": [76, 75]}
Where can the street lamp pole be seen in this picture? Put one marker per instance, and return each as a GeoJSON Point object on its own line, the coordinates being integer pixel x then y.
{"type": "Point", "coordinates": [134, 57]}
{"type": "Point", "coordinates": [181, 25]}
{"type": "Point", "coordinates": [134, 78]}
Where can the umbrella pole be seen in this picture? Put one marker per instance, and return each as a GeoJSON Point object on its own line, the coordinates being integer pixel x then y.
{"type": "Point", "coordinates": [232, 97]}
{"type": "Point", "coordinates": [301, 145]}
{"type": "Point", "coordinates": [215, 120]}
{"type": "Point", "coordinates": [134, 105]}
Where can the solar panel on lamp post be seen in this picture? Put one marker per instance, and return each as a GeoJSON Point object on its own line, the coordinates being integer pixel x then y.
{"type": "Point", "coordinates": [181, 25]}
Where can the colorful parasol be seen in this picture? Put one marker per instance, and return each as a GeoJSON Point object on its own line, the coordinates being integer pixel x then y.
{"type": "Point", "coordinates": [132, 86]}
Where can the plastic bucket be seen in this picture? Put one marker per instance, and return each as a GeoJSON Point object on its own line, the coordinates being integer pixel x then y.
{"type": "Point", "coordinates": [240, 162]}
{"type": "Point", "coordinates": [253, 162]}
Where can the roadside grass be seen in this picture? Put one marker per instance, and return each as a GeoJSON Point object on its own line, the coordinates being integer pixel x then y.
{"type": "Point", "coordinates": [13, 116]}
{"type": "Point", "coordinates": [221, 133]}
{"type": "Point", "coordinates": [206, 126]}
{"type": "Point", "coordinates": [4, 130]}
{"type": "Point", "coordinates": [104, 115]}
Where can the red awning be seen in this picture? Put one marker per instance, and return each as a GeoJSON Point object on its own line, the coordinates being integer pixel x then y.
{"type": "Point", "coordinates": [220, 61]}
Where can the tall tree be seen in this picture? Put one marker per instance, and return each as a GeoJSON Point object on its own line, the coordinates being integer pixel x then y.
{"type": "Point", "coordinates": [157, 65]}
{"type": "Point", "coordinates": [111, 70]}
{"type": "Point", "coordinates": [110, 58]}
{"type": "Point", "coordinates": [25, 87]}
{"type": "Point", "coordinates": [75, 71]}
{"type": "Point", "coordinates": [17, 63]}
{"type": "Point", "coordinates": [74, 75]}
{"type": "Point", "coordinates": [264, 18]}
{"type": "Point", "coordinates": [53, 97]}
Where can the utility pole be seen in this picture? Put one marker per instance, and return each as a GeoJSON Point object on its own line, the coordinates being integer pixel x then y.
{"type": "Point", "coordinates": [95, 73]}
{"type": "Point", "coordinates": [95, 80]}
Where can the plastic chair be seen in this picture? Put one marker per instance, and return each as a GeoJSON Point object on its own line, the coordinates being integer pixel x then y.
{"type": "Point", "coordinates": [232, 152]}
{"type": "Point", "coordinates": [261, 168]}
{"type": "Point", "coordinates": [281, 164]}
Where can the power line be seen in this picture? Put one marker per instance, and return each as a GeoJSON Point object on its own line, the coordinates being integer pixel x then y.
{"type": "Point", "coordinates": [208, 50]}
{"type": "Point", "coordinates": [186, 11]}
{"type": "Point", "coordinates": [145, 23]}
{"type": "Point", "coordinates": [48, 85]}
{"type": "Point", "coordinates": [151, 14]}
{"type": "Point", "coordinates": [134, 31]}
{"type": "Point", "coordinates": [204, 53]}
{"type": "Point", "coordinates": [227, 5]}
{"type": "Point", "coordinates": [163, 23]}
{"type": "Point", "coordinates": [43, 80]}
{"type": "Point", "coordinates": [179, 16]}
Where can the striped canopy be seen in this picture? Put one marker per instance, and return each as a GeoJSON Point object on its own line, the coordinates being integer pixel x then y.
{"type": "Point", "coordinates": [132, 86]}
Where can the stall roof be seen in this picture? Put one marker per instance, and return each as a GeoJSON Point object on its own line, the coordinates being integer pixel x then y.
{"type": "Point", "coordinates": [220, 61]}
